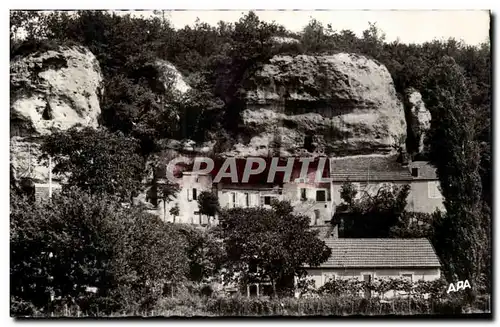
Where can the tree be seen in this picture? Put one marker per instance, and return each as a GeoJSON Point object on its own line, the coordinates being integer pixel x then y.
{"type": "Point", "coordinates": [415, 225]}
{"type": "Point", "coordinates": [372, 215]}
{"type": "Point", "coordinates": [461, 236]}
{"type": "Point", "coordinates": [161, 188]}
{"type": "Point", "coordinates": [313, 37]}
{"type": "Point", "coordinates": [80, 240]}
{"type": "Point", "coordinates": [348, 193]}
{"type": "Point", "coordinates": [270, 244]}
{"type": "Point", "coordinates": [208, 204]}
{"type": "Point", "coordinates": [28, 23]}
{"type": "Point", "coordinates": [174, 211]}
{"type": "Point", "coordinates": [205, 253]}
{"type": "Point", "coordinates": [96, 160]}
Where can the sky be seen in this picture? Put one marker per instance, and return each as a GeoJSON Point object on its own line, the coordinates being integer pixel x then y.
{"type": "Point", "coordinates": [409, 26]}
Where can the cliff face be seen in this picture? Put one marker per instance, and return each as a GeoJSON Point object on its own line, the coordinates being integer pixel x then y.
{"type": "Point", "coordinates": [418, 118]}
{"type": "Point", "coordinates": [340, 104]}
{"type": "Point", "coordinates": [54, 89]}
{"type": "Point", "coordinates": [50, 90]}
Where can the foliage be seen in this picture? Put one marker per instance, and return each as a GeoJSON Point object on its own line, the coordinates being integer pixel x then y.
{"type": "Point", "coordinates": [208, 203]}
{"type": "Point", "coordinates": [196, 305]}
{"type": "Point", "coordinates": [461, 235]}
{"type": "Point", "coordinates": [330, 306]}
{"type": "Point", "coordinates": [96, 160]}
{"type": "Point", "coordinates": [77, 240]}
{"type": "Point", "coordinates": [270, 244]}
{"type": "Point", "coordinates": [204, 251]}
{"type": "Point", "coordinates": [414, 225]}
{"type": "Point", "coordinates": [348, 193]}
{"type": "Point", "coordinates": [174, 211]}
{"type": "Point", "coordinates": [372, 215]}
{"type": "Point", "coordinates": [435, 289]}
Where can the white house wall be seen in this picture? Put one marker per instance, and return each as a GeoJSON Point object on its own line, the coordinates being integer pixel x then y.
{"type": "Point", "coordinates": [321, 275]}
{"type": "Point", "coordinates": [419, 198]}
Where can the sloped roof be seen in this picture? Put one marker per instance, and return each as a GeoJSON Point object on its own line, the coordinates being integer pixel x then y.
{"type": "Point", "coordinates": [425, 170]}
{"type": "Point", "coordinates": [368, 168]}
{"type": "Point", "coordinates": [382, 253]}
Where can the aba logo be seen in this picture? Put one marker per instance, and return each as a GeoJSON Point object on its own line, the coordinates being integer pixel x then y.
{"type": "Point", "coordinates": [461, 285]}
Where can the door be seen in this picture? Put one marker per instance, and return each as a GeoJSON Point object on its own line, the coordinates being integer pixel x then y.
{"type": "Point", "coordinates": [367, 278]}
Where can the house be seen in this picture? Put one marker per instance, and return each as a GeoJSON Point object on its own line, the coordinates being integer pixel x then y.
{"type": "Point", "coordinates": [307, 196]}
{"type": "Point", "coordinates": [44, 191]}
{"type": "Point", "coordinates": [368, 258]}
{"type": "Point", "coordinates": [370, 173]}
{"type": "Point", "coordinates": [424, 182]}
{"type": "Point", "coordinates": [317, 200]}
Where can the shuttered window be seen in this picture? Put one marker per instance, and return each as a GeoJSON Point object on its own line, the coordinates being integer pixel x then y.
{"type": "Point", "coordinates": [433, 189]}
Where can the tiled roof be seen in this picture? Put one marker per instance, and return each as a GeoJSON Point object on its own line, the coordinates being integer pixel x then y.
{"type": "Point", "coordinates": [425, 170]}
{"type": "Point", "coordinates": [368, 168]}
{"type": "Point", "coordinates": [378, 252]}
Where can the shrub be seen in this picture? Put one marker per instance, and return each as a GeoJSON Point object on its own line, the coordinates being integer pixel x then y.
{"type": "Point", "coordinates": [60, 248]}
{"type": "Point", "coordinates": [329, 305]}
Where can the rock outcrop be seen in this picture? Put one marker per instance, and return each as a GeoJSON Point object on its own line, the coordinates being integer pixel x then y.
{"type": "Point", "coordinates": [50, 90]}
{"type": "Point", "coordinates": [170, 77]}
{"type": "Point", "coordinates": [54, 89]}
{"type": "Point", "coordinates": [342, 104]}
{"type": "Point", "coordinates": [418, 118]}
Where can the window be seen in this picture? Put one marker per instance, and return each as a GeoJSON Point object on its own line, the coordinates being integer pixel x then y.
{"type": "Point", "coordinates": [433, 190]}
{"type": "Point", "coordinates": [328, 277]}
{"type": "Point", "coordinates": [408, 277]}
{"type": "Point", "coordinates": [308, 143]}
{"type": "Point", "coordinates": [233, 196]}
{"type": "Point", "coordinates": [247, 199]}
{"type": "Point", "coordinates": [321, 195]}
{"type": "Point", "coordinates": [195, 195]}
{"type": "Point", "coordinates": [253, 290]}
{"type": "Point", "coordinates": [303, 196]}
{"type": "Point", "coordinates": [414, 172]}
{"type": "Point", "coordinates": [267, 200]}
{"type": "Point", "coordinates": [252, 267]}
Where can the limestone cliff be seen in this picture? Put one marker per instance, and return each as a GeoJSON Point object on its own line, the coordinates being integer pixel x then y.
{"type": "Point", "coordinates": [342, 104]}
{"type": "Point", "coordinates": [54, 89]}
{"type": "Point", "coordinates": [418, 118]}
{"type": "Point", "coordinates": [50, 90]}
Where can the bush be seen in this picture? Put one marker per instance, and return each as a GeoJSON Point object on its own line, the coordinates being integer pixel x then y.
{"type": "Point", "coordinates": [329, 305]}
{"type": "Point", "coordinates": [435, 289]}
{"type": "Point", "coordinates": [60, 248]}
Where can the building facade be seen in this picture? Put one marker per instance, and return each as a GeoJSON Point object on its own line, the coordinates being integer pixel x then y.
{"type": "Point", "coordinates": [366, 259]}
{"type": "Point", "coordinates": [369, 174]}
{"type": "Point", "coordinates": [317, 200]}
